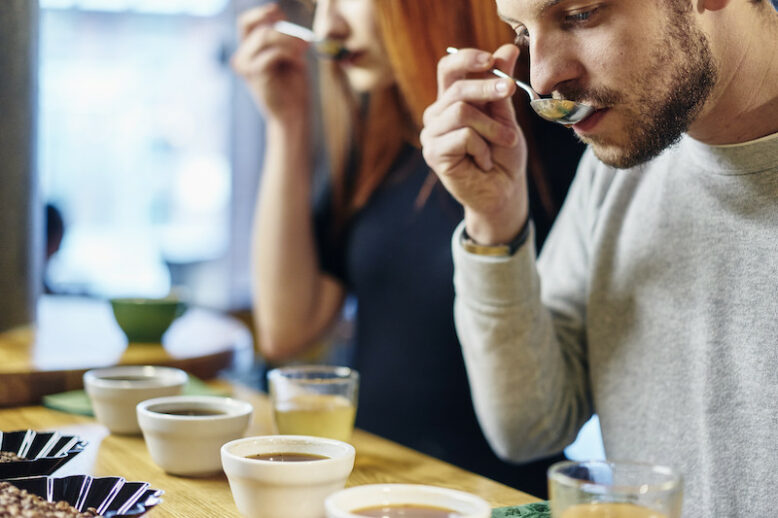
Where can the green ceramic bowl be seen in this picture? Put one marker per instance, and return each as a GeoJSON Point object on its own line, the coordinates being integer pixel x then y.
{"type": "Point", "coordinates": [146, 319]}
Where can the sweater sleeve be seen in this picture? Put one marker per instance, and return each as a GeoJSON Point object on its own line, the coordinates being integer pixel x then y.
{"type": "Point", "coordinates": [523, 340]}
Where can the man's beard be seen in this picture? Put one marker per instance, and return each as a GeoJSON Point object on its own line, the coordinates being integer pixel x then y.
{"type": "Point", "coordinates": [655, 122]}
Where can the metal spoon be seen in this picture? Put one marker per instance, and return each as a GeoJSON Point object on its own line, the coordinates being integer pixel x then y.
{"type": "Point", "coordinates": [555, 110]}
{"type": "Point", "coordinates": [324, 47]}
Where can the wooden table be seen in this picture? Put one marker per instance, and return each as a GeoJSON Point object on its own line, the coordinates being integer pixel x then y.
{"type": "Point", "coordinates": [74, 334]}
{"type": "Point", "coordinates": [378, 461]}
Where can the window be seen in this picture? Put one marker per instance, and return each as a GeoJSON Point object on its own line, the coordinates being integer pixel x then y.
{"type": "Point", "coordinates": [135, 119]}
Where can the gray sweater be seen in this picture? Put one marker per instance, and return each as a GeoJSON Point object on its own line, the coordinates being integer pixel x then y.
{"type": "Point", "coordinates": [655, 305]}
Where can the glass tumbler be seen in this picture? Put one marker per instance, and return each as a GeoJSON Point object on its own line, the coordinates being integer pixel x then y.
{"type": "Point", "coordinates": [604, 489]}
{"type": "Point", "coordinates": [317, 400]}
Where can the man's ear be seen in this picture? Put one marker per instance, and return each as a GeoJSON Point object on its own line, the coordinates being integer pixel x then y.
{"type": "Point", "coordinates": [711, 5]}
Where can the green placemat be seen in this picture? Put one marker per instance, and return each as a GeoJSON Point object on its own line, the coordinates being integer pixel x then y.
{"type": "Point", "coordinates": [77, 402]}
{"type": "Point", "coordinates": [536, 510]}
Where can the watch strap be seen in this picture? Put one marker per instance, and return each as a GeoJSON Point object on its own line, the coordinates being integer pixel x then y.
{"type": "Point", "coordinates": [502, 250]}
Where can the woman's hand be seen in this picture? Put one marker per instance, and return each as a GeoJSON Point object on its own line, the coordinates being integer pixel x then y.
{"type": "Point", "coordinates": [473, 143]}
{"type": "Point", "coordinates": [272, 64]}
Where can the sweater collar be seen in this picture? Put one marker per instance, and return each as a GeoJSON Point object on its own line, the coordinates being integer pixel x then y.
{"type": "Point", "coordinates": [750, 157]}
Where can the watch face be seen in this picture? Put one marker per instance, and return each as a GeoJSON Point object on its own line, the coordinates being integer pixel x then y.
{"type": "Point", "coordinates": [474, 248]}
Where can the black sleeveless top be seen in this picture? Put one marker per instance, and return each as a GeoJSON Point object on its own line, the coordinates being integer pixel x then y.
{"type": "Point", "coordinates": [396, 259]}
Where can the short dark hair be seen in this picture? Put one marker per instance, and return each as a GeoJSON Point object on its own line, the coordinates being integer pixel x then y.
{"type": "Point", "coordinates": [55, 225]}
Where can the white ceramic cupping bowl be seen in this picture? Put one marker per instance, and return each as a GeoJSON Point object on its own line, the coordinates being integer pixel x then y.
{"type": "Point", "coordinates": [114, 400]}
{"type": "Point", "coordinates": [189, 445]}
{"type": "Point", "coordinates": [343, 503]}
{"type": "Point", "coordinates": [272, 489]}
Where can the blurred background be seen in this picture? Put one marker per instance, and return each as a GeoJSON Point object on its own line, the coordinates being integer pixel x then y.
{"type": "Point", "coordinates": [148, 149]}
{"type": "Point", "coordinates": [130, 155]}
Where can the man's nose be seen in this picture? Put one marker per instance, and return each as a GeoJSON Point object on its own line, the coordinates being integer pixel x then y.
{"type": "Point", "coordinates": [328, 21]}
{"type": "Point", "coordinates": [553, 61]}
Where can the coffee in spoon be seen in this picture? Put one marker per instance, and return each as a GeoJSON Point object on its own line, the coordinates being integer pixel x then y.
{"type": "Point", "coordinates": [562, 111]}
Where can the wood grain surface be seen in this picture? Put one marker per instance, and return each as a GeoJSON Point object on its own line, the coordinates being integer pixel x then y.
{"type": "Point", "coordinates": [377, 461]}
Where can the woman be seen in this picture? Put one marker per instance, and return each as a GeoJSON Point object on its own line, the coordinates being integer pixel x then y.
{"type": "Point", "coordinates": [380, 228]}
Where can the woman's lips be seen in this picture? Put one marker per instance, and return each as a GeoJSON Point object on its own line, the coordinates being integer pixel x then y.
{"type": "Point", "coordinates": [350, 57]}
{"type": "Point", "coordinates": [589, 123]}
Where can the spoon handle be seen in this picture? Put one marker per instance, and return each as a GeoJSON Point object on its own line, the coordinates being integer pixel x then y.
{"type": "Point", "coordinates": [298, 31]}
{"type": "Point", "coordinates": [499, 73]}
{"type": "Point", "coordinates": [326, 48]}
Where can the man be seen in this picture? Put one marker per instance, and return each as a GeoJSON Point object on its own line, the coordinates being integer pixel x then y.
{"type": "Point", "coordinates": [655, 300]}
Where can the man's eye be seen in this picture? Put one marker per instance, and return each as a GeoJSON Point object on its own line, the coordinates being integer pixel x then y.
{"type": "Point", "coordinates": [582, 16]}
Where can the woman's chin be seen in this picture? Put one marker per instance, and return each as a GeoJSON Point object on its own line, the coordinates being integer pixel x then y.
{"type": "Point", "coordinates": [364, 81]}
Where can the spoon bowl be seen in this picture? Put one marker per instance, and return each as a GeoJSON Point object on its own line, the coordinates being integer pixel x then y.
{"type": "Point", "coordinates": [562, 111]}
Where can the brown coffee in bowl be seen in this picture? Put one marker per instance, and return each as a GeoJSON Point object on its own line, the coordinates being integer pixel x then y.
{"type": "Point", "coordinates": [126, 378]}
{"type": "Point", "coordinates": [287, 457]}
{"type": "Point", "coordinates": [193, 412]}
{"type": "Point", "coordinates": [407, 511]}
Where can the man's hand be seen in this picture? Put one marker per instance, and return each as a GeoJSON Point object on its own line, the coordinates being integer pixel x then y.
{"type": "Point", "coordinates": [473, 143]}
